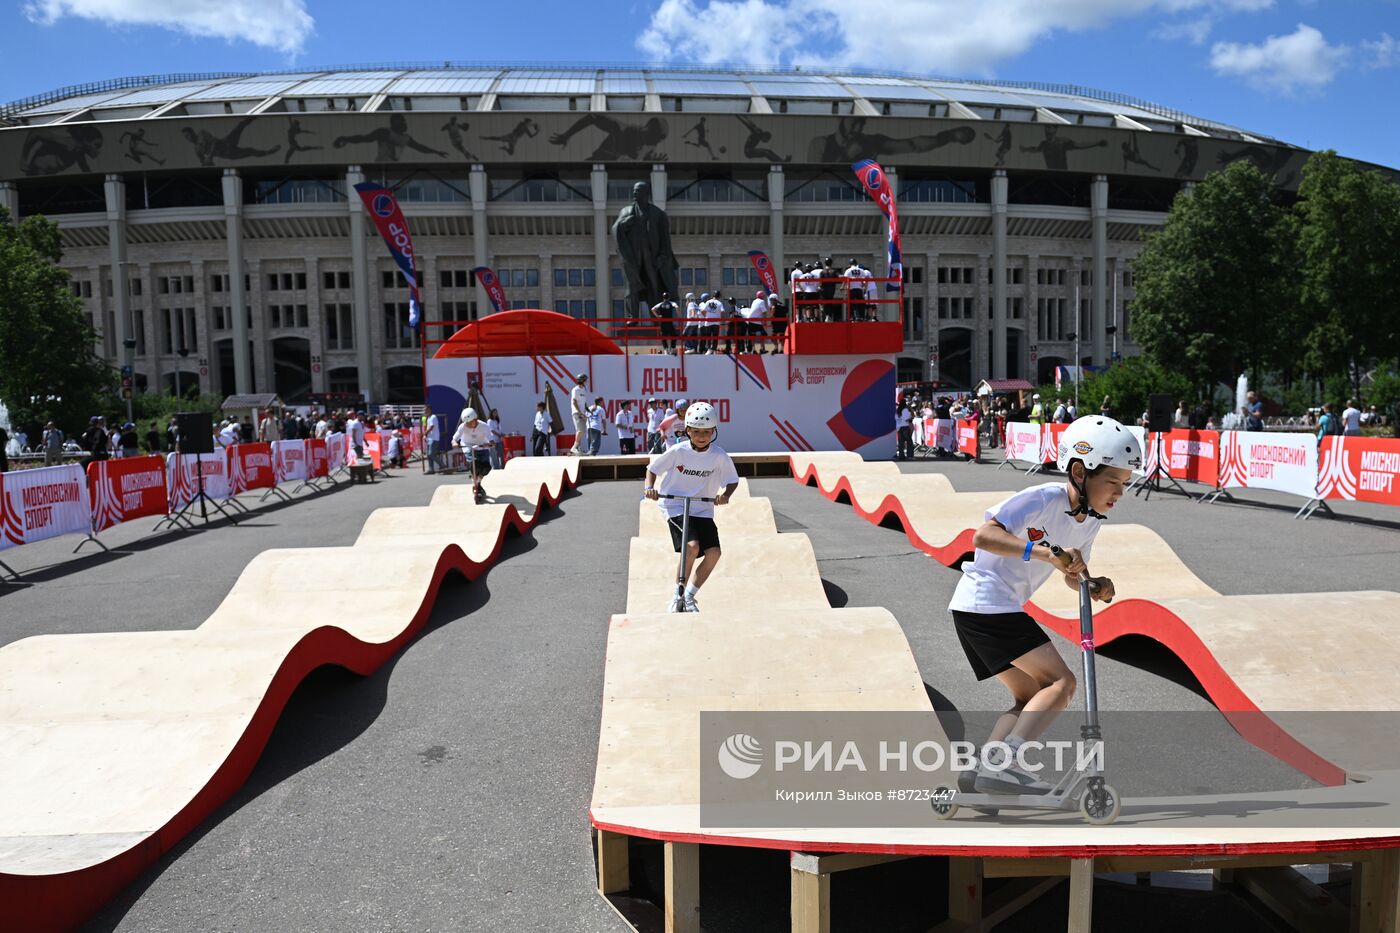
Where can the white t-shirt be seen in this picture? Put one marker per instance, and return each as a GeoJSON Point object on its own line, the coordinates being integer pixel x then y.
{"type": "Point", "coordinates": [595, 418]}
{"type": "Point", "coordinates": [904, 417]}
{"type": "Point", "coordinates": [654, 415]}
{"type": "Point", "coordinates": [795, 281]}
{"type": "Point", "coordinates": [1351, 421]}
{"type": "Point", "coordinates": [624, 421]}
{"type": "Point", "coordinates": [714, 310]}
{"type": "Point", "coordinates": [432, 429]}
{"type": "Point", "coordinates": [355, 428]}
{"type": "Point", "coordinates": [759, 309]}
{"type": "Point", "coordinates": [684, 471]}
{"type": "Point", "coordinates": [478, 436]}
{"type": "Point", "coordinates": [493, 429]}
{"type": "Point", "coordinates": [692, 310]}
{"type": "Point", "coordinates": [542, 422]}
{"type": "Point", "coordinates": [578, 400]}
{"type": "Point", "coordinates": [993, 584]}
{"type": "Point", "coordinates": [853, 273]}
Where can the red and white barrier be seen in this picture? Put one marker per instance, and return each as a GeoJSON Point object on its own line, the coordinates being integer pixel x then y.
{"type": "Point", "coordinates": [1267, 460]}
{"type": "Point", "coordinates": [125, 489]}
{"type": "Point", "coordinates": [250, 467]}
{"type": "Point", "coordinates": [289, 461]}
{"type": "Point", "coordinates": [318, 458]}
{"type": "Point", "coordinates": [1023, 442]}
{"type": "Point", "coordinates": [43, 503]}
{"type": "Point", "coordinates": [183, 477]}
{"type": "Point", "coordinates": [1192, 455]}
{"type": "Point", "coordinates": [1360, 469]}
{"type": "Point", "coordinates": [337, 451]}
{"type": "Point", "coordinates": [967, 438]}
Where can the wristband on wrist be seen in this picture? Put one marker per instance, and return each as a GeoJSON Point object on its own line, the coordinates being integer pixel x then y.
{"type": "Point", "coordinates": [1026, 555]}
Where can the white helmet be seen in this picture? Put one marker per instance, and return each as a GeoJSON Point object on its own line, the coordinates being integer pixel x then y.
{"type": "Point", "coordinates": [1097, 441]}
{"type": "Point", "coordinates": [701, 415]}
{"type": "Point", "coordinates": [468, 414]}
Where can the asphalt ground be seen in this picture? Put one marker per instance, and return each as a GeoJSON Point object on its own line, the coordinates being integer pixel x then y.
{"type": "Point", "coordinates": [450, 789]}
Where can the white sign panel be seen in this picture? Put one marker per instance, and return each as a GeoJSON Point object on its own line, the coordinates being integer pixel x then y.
{"type": "Point", "coordinates": [1265, 460]}
{"type": "Point", "coordinates": [43, 503]}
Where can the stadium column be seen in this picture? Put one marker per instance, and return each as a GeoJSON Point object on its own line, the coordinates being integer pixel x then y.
{"type": "Point", "coordinates": [1098, 210]}
{"type": "Point", "coordinates": [477, 186]}
{"type": "Point", "coordinates": [932, 321]}
{"type": "Point", "coordinates": [658, 185]}
{"type": "Point", "coordinates": [316, 320]}
{"type": "Point", "coordinates": [9, 199]}
{"type": "Point", "coordinates": [199, 346]}
{"type": "Point", "coordinates": [359, 280]}
{"type": "Point", "coordinates": [601, 278]}
{"type": "Point", "coordinates": [237, 294]}
{"type": "Point", "coordinates": [777, 186]}
{"type": "Point", "coordinates": [981, 340]}
{"type": "Point", "coordinates": [999, 186]}
{"type": "Point", "coordinates": [115, 189]}
{"type": "Point", "coordinates": [150, 321]}
{"type": "Point", "coordinates": [1029, 350]}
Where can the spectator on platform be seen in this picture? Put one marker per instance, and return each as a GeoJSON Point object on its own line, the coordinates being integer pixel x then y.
{"type": "Point", "coordinates": [597, 427]}
{"type": "Point", "coordinates": [1181, 418]}
{"type": "Point", "coordinates": [1351, 419]}
{"type": "Point", "coordinates": [626, 433]}
{"type": "Point", "coordinates": [53, 444]}
{"type": "Point", "coordinates": [693, 322]}
{"type": "Point", "coordinates": [664, 312]}
{"type": "Point", "coordinates": [904, 426]}
{"type": "Point", "coordinates": [826, 289]}
{"type": "Point", "coordinates": [578, 408]}
{"type": "Point", "coordinates": [539, 435]}
{"type": "Point", "coordinates": [712, 307]}
{"type": "Point", "coordinates": [778, 311]}
{"type": "Point", "coordinates": [498, 440]}
{"type": "Point", "coordinates": [269, 428]}
{"type": "Point", "coordinates": [855, 290]}
{"type": "Point", "coordinates": [795, 282]}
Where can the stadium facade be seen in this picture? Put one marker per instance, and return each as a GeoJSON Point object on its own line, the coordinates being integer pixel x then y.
{"type": "Point", "coordinates": [163, 185]}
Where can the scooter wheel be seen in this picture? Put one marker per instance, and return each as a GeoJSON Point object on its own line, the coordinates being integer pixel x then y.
{"type": "Point", "coordinates": [1100, 806]}
{"type": "Point", "coordinates": [942, 803]}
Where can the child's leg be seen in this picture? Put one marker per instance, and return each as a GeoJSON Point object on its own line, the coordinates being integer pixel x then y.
{"type": "Point", "coordinates": [707, 564]}
{"type": "Point", "coordinates": [1022, 688]}
{"type": "Point", "coordinates": [692, 551]}
{"type": "Point", "coordinates": [1055, 688]}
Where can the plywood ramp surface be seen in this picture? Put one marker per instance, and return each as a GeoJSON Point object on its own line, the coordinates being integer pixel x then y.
{"type": "Point", "coordinates": [116, 745]}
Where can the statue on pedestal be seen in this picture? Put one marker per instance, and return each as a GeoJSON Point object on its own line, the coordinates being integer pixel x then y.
{"type": "Point", "coordinates": [643, 236]}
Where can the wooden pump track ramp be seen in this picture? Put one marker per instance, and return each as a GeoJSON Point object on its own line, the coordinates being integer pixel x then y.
{"type": "Point", "coordinates": [762, 642]}
{"type": "Point", "coordinates": [1269, 654]}
{"type": "Point", "coordinates": [114, 746]}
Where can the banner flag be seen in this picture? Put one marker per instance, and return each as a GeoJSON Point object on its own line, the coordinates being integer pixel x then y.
{"type": "Point", "coordinates": [764, 267]}
{"type": "Point", "coordinates": [388, 218]}
{"type": "Point", "coordinates": [492, 286]}
{"type": "Point", "coordinates": [877, 185]}
{"type": "Point", "coordinates": [43, 503]}
{"type": "Point", "coordinates": [127, 488]}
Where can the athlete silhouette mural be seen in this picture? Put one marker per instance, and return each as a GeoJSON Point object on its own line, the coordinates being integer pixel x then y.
{"type": "Point", "coordinates": [1131, 154]}
{"type": "Point", "coordinates": [525, 128]}
{"type": "Point", "coordinates": [1003, 141]}
{"type": "Point", "coordinates": [390, 140]}
{"type": "Point", "coordinates": [135, 141]}
{"type": "Point", "coordinates": [208, 147]}
{"type": "Point", "coordinates": [702, 138]}
{"type": "Point", "coordinates": [754, 147]}
{"type": "Point", "coordinates": [620, 140]}
{"type": "Point", "coordinates": [1190, 151]}
{"type": "Point", "coordinates": [54, 151]}
{"type": "Point", "coordinates": [454, 131]}
{"type": "Point", "coordinates": [293, 144]}
{"type": "Point", "coordinates": [850, 142]}
{"type": "Point", "coordinates": [1056, 148]}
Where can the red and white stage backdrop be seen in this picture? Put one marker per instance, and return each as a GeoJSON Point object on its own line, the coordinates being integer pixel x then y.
{"type": "Point", "coordinates": [43, 503]}
{"type": "Point", "coordinates": [121, 490]}
{"type": "Point", "coordinates": [1360, 469]}
{"type": "Point", "coordinates": [182, 476]}
{"type": "Point", "coordinates": [818, 403]}
{"type": "Point", "coordinates": [1268, 460]}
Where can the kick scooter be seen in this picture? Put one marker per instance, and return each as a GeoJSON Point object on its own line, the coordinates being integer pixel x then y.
{"type": "Point", "coordinates": [1081, 789]}
{"type": "Point", "coordinates": [678, 600]}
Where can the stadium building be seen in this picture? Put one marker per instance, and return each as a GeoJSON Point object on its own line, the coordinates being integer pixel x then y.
{"type": "Point", "coordinates": [185, 198]}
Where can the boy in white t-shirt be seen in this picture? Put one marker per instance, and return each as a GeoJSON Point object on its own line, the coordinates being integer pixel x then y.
{"type": "Point", "coordinates": [698, 468]}
{"type": "Point", "coordinates": [597, 427]}
{"type": "Point", "coordinates": [1013, 558]}
{"type": "Point", "coordinates": [626, 430]}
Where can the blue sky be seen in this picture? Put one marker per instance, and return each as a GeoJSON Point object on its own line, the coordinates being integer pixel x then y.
{"type": "Point", "coordinates": [1312, 72]}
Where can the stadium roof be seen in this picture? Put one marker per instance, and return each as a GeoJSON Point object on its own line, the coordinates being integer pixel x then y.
{"type": "Point", "coordinates": [450, 86]}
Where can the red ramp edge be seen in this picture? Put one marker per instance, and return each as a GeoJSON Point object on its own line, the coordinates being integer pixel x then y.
{"type": "Point", "coordinates": [1128, 617]}
{"type": "Point", "coordinates": [64, 901]}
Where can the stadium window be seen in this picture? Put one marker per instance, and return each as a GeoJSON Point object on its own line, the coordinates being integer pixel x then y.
{"type": "Point", "coordinates": [220, 315]}
{"type": "Point", "coordinates": [616, 278]}
{"type": "Point", "coordinates": [328, 280]}
{"type": "Point", "coordinates": [619, 307]}
{"type": "Point", "coordinates": [188, 282]}
{"type": "Point", "coordinates": [697, 276]}
{"type": "Point", "coordinates": [272, 281]}
{"type": "Point", "coordinates": [301, 281]}
{"type": "Point", "coordinates": [575, 278]}
{"type": "Point", "coordinates": [163, 285]}
{"type": "Point", "coordinates": [397, 334]}
{"type": "Point", "coordinates": [445, 278]}
{"type": "Point", "coordinates": [135, 288]}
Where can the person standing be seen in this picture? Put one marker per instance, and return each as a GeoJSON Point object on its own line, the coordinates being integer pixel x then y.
{"type": "Point", "coordinates": [539, 436]}
{"type": "Point", "coordinates": [904, 425]}
{"type": "Point", "coordinates": [1327, 424]}
{"type": "Point", "coordinates": [1106, 408]}
{"type": "Point", "coordinates": [153, 439]}
{"type": "Point", "coordinates": [53, 444]}
{"type": "Point", "coordinates": [432, 435]}
{"type": "Point", "coordinates": [1181, 418]}
{"type": "Point", "coordinates": [95, 441]}
{"type": "Point", "coordinates": [597, 427]}
{"type": "Point", "coordinates": [1253, 413]}
{"type": "Point", "coordinates": [578, 408]}
{"type": "Point", "coordinates": [626, 433]}
{"type": "Point", "coordinates": [1037, 415]}
{"type": "Point", "coordinates": [1351, 419]}
{"type": "Point", "coordinates": [498, 444]}
{"type": "Point", "coordinates": [664, 313]}
{"type": "Point", "coordinates": [131, 446]}
{"type": "Point", "coordinates": [655, 412]}
{"type": "Point", "coordinates": [355, 431]}
{"type": "Point", "coordinates": [269, 428]}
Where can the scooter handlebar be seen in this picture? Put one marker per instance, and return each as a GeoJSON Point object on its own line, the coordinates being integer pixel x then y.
{"type": "Point", "coordinates": [1083, 574]}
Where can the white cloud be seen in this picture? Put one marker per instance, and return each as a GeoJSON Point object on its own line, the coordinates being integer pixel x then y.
{"type": "Point", "coordinates": [1382, 53]}
{"type": "Point", "coordinates": [1195, 30]}
{"type": "Point", "coordinates": [1301, 59]}
{"type": "Point", "coordinates": [283, 25]}
{"type": "Point", "coordinates": [941, 36]}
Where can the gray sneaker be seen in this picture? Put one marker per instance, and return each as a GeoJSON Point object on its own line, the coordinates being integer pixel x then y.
{"type": "Point", "coordinates": [690, 604]}
{"type": "Point", "coordinates": [1010, 781]}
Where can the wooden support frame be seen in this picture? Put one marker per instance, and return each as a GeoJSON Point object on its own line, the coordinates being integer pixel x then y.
{"type": "Point", "coordinates": [614, 865]}
{"type": "Point", "coordinates": [1081, 896]}
{"type": "Point", "coordinates": [682, 907]}
{"type": "Point", "coordinates": [1376, 894]}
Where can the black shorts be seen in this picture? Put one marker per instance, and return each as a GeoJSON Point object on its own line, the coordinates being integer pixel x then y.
{"type": "Point", "coordinates": [993, 641]}
{"type": "Point", "coordinates": [702, 530]}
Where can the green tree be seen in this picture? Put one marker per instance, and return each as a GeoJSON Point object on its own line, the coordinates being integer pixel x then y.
{"type": "Point", "coordinates": [47, 367]}
{"type": "Point", "coordinates": [1128, 384]}
{"type": "Point", "coordinates": [1216, 293]}
{"type": "Point", "coordinates": [1348, 227]}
